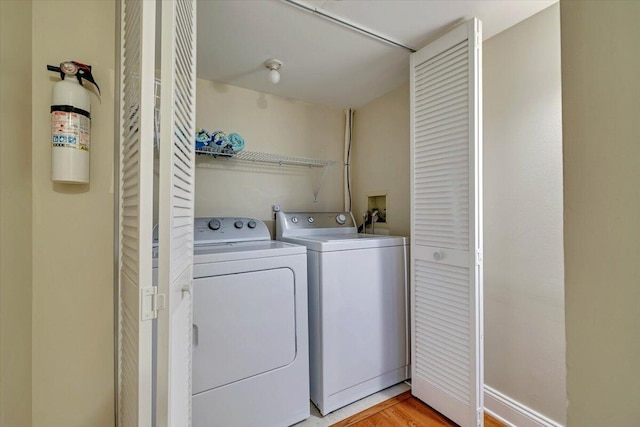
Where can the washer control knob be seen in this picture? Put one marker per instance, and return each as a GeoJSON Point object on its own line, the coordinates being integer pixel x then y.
{"type": "Point", "coordinates": [311, 220]}
{"type": "Point", "coordinates": [294, 219]}
{"type": "Point", "coordinates": [341, 219]}
{"type": "Point", "coordinates": [251, 224]}
{"type": "Point", "coordinates": [214, 224]}
{"type": "Point", "coordinates": [238, 224]}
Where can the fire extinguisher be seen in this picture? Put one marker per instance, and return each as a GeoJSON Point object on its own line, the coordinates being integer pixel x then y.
{"type": "Point", "coordinates": [71, 123]}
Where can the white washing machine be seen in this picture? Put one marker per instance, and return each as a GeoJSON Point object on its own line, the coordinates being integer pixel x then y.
{"type": "Point", "coordinates": [250, 331]}
{"type": "Point", "coordinates": [358, 300]}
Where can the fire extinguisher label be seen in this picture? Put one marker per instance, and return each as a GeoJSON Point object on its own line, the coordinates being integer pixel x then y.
{"type": "Point", "coordinates": [70, 129]}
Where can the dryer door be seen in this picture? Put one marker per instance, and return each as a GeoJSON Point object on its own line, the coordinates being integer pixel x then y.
{"type": "Point", "coordinates": [244, 325]}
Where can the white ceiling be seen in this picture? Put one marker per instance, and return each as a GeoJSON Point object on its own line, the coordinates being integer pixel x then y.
{"type": "Point", "coordinates": [325, 63]}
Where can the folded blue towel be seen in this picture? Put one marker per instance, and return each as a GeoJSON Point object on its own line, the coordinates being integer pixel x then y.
{"type": "Point", "coordinates": [219, 139]}
{"type": "Point", "coordinates": [236, 142]}
{"type": "Point", "coordinates": [202, 138]}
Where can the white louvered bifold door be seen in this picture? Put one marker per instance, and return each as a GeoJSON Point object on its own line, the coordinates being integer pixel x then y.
{"type": "Point", "coordinates": [137, 53]}
{"type": "Point", "coordinates": [176, 190]}
{"type": "Point", "coordinates": [446, 224]}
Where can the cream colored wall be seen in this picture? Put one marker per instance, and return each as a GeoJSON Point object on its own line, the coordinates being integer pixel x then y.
{"type": "Point", "coordinates": [523, 244]}
{"type": "Point", "coordinates": [274, 125]}
{"type": "Point", "coordinates": [73, 378]}
{"type": "Point", "coordinates": [15, 213]}
{"type": "Point", "coordinates": [601, 126]}
{"type": "Point", "coordinates": [380, 158]}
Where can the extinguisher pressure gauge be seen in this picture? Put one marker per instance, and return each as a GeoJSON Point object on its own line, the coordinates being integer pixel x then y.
{"type": "Point", "coordinates": [69, 68]}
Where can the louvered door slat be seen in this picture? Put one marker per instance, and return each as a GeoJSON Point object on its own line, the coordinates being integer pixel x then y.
{"type": "Point", "coordinates": [448, 110]}
{"type": "Point", "coordinates": [446, 225]}
{"type": "Point", "coordinates": [436, 156]}
{"type": "Point", "coordinates": [443, 275]}
{"type": "Point", "coordinates": [450, 87]}
{"type": "Point", "coordinates": [137, 50]}
{"type": "Point", "coordinates": [444, 76]}
{"type": "Point", "coordinates": [450, 334]}
{"type": "Point", "coordinates": [442, 104]}
{"type": "Point", "coordinates": [443, 95]}
{"type": "Point", "coordinates": [177, 164]}
{"type": "Point", "coordinates": [439, 61]}
{"type": "Point", "coordinates": [458, 375]}
{"type": "Point", "coordinates": [447, 321]}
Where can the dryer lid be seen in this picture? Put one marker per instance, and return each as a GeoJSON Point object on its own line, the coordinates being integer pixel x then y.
{"type": "Point", "coordinates": [237, 251]}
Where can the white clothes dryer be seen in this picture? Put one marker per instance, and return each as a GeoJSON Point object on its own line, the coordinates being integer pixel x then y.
{"type": "Point", "coordinates": [358, 306]}
{"type": "Point", "coordinates": [250, 330]}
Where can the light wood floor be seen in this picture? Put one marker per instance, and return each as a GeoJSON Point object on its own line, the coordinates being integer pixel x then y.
{"type": "Point", "coordinates": [404, 410]}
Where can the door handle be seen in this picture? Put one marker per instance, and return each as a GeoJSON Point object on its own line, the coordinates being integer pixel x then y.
{"type": "Point", "coordinates": [195, 334]}
{"type": "Point", "coordinates": [186, 289]}
{"type": "Point", "coordinates": [438, 255]}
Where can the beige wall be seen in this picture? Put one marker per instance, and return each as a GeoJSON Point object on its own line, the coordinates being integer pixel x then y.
{"type": "Point", "coordinates": [601, 126]}
{"type": "Point", "coordinates": [274, 125]}
{"type": "Point", "coordinates": [15, 213]}
{"type": "Point", "coordinates": [523, 244]}
{"type": "Point", "coordinates": [73, 229]}
{"type": "Point", "coordinates": [380, 158]}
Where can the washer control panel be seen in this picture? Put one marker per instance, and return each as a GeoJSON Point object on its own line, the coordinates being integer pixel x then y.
{"type": "Point", "coordinates": [294, 223]}
{"type": "Point", "coordinates": [229, 229]}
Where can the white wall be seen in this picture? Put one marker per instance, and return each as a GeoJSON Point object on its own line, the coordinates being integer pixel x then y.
{"type": "Point", "coordinates": [523, 244]}
{"type": "Point", "coordinates": [15, 213]}
{"type": "Point", "coordinates": [73, 378]}
{"type": "Point", "coordinates": [601, 125]}
{"type": "Point", "coordinates": [380, 158]}
{"type": "Point", "coordinates": [268, 124]}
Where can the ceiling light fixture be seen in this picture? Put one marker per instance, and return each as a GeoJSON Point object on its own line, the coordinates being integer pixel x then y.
{"type": "Point", "coordinates": [273, 65]}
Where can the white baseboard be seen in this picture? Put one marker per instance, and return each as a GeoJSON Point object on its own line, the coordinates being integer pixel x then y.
{"type": "Point", "coordinates": [513, 413]}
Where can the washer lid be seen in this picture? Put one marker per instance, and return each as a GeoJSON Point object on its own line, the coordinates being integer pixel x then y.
{"type": "Point", "coordinates": [244, 250]}
{"type": "Point", "coordinates": [343, 242]}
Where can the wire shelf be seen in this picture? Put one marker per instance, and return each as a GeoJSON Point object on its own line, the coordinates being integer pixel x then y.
{"type": "Point", "coordinates": [248, 156]}
{"type": "Point", "coordinates": [275, 159]}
